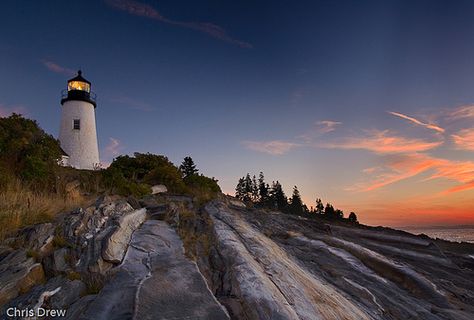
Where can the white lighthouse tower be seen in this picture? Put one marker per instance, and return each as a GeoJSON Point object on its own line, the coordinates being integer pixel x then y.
{"type": "Point", "coordinates": [78, 135]}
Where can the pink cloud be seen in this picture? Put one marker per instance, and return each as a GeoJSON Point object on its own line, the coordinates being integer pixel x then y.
{"type": "Point", "coordinates": [382, 142]}
{"type": "Point", "coordinates": [418, 122]}
{"type": "Point", "coordinates": [54, 67]}
{"type": "Point", "coordinates": [464, 139]}
{"type": "Point", "coordinates": [144, 10]}
{"type": "Point", "coordinates": [401, 167]}
{"type": "Point", "coordinates": [274, 147]}
{"type": "Point", "coordinates": [7, 110]}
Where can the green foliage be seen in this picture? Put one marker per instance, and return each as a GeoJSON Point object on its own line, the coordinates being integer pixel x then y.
{"type": "Point", "coordinates": [28, 153]}
{"type": "Point", "coordinates": [134, 175]}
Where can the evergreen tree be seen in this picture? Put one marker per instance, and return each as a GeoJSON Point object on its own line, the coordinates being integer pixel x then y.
{"type": "Point", "coordinates": [239, 189]}
{"type": "Point", "coordinates": [278, 197]}
{"type": "Point", "coordinates": [263, 191]}
{"type": "Point", "coordinates": [353, 217]}
{"type": "Point", "coordinates": [296, 205]}
{"type": "Point", "coordinates": [319, 206]}
{"type": "Point", "coordinates": [329, 211]}
{"type": "Point", "coordinates": [247, 197]}
{"type": "Point", "coordinates": [188, 168]}
{"type": "Point", "coordinates": [339, 214]}
{"type": "Point", "coordinates": [255, 197]}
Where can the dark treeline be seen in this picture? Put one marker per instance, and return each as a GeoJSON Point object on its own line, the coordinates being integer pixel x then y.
{"type": "Point", "coordinates": [260, 194]}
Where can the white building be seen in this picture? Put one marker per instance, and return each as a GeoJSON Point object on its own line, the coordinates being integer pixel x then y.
{"type": "Point", "coordinates": [77, 134]}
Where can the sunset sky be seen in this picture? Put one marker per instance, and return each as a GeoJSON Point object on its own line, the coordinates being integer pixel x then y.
{"type": "Point", "coordinates": [368, 105]}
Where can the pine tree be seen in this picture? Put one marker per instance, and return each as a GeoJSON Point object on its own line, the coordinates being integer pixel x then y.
{"type": "Point", "coordinates": [319, 206]}
{"type": "Point", "coordinates": [278, 197]}
{"type": "Point", "coordinates": [296, 205]}
{"type": "Point", "coordinates": [188, 168]}
{"type": "Point", "coordinates": [339, 214]}
{"type": "Point", "coordinates": [353, 217]}
{"type": "Point", "coordinates": [247, 197]}
{"type": "Point", "coordinates": [263, 191]}
{"type": "Point", "coordinates": [329, 211]}
{"type": "Point", "coordinates": [239, 189]}
{"type": "Point", "coordinates": [255, 197]}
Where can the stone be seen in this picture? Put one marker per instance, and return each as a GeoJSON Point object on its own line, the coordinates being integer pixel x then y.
{"type": "Point", "coordinates": [156, 281]}
{"type": "Point", "coordinates": [76, 310]}
{"type": "Point", "coordinates": [18, 274]}
{"type": "Point", "coordinates": [116, 244]}
{"type": "Point", "coordinates": [60, 263]}
{"type": "Point", "coordinates": [57, 293]}
{"type": "Point", "coordinates": [159, 188]}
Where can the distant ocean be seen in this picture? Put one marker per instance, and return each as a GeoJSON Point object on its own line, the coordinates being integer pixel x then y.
{"type": "Point", "coordinates": [451, 233]}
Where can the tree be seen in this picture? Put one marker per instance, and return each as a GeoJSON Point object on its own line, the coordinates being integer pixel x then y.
{"type": "Point", "coordinates": [278, 197]}
{"type": "Point", "coordinates": [188, 168]}
{"type": "Point", "coordinates": [239, 189]}
{"type": "Point", "coordinates": [339, 214]}
{"type": "Point", "coordinates": [255, 197]}
{"type": "Point", "coordinates": [296, 204]}
{"type": "Point", "coordinates": [353, 217]}
{"type": "Point", "coordinates": [319, 206]}
{"type": "Point", "coordinates": [263, 190]}
{"type": "Point", "coordinates": [329, 211]}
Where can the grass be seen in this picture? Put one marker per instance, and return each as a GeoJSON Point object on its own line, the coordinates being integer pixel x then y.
{"type": "Point", "coordinates": [20, 206]}
{"type": "Point", "coordinates": [191, 239]}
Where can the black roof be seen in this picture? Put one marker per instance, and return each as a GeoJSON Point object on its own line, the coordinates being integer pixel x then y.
{"type": "Point", "coordinates": [79, 78]}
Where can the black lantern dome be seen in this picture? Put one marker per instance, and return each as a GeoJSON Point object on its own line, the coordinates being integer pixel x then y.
{"type": "Point", "coordinates": [78, 88]}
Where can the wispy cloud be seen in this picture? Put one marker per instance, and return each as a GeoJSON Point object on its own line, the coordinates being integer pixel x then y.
{"type": "Point", "coordinates": [145, 10]}
{"type": "Point", "coordinates": [464, 139]}
{"type": "Point", "coordinates": [418, 122]}
{"type": "Point", "coordinates": [383, 142]}
{"type": "Point", "coordinates": [462, 112]}
{"type": "Point", "coordinates": [327, 126]}
{"type": "Point", "coordinates": [274, 147]}
{"type": "Point", "coordinates": [400, 167]}
{"type": "Point", "coordinates": [132, 103]}
{"type": "Point", "coordinates": [320, 128]}
{"type": "Point", "coordinates": [113, 148]}
{"type": "Point", "coordinates": [54, 67]}
{"type": "Point", "coordinates": [7, 110]}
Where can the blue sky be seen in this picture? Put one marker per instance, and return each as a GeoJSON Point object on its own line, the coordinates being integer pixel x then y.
{"type": "Point", "coordinates": [301, 90]}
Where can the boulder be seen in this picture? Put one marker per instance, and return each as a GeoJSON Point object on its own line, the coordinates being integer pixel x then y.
{"type": "Point", "coordinates": [57, 293]}
{"type": "Point", "coordinates": [116, 244]}
{"type": "Point", "coordinates": [159, 188]}
{"type": "Point", "coordinates": [18, 274]}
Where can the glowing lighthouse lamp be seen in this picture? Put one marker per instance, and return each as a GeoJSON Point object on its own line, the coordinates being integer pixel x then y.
{"type": "Point", "coordinates": [77, 134]}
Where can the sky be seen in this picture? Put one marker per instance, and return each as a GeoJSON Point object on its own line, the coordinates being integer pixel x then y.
{"type": "Point", "coordinates": [366, 104]}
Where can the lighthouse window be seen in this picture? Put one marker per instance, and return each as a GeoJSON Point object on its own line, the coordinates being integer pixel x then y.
{"type": "Point", "coordinates": [78, 85]}
{"type": "Point", "coordinates": [76, 124]}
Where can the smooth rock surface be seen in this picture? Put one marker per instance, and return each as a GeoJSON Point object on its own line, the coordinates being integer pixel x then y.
{"type": "Point", "coordinates": [18, 274]}
{"type": "Point", "coordinates": [117, 242]}
{"type": "Point", "coordinates": [266, 263]}
{"type": "Point", "coordinates": [155, 281]}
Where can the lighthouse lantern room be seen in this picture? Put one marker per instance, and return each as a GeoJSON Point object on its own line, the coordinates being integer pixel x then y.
{"type": "Point", "coordinates": [77, 133]}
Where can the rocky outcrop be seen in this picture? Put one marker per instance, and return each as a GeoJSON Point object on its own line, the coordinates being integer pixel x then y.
{"type": "Point", "coordinates": [161, 258]}
{"type": "Point", "coordinates": [266, 282]}
{"type": "Point", "coordinates": [18, 274]}
{"type": "Point", "coordinates": [116, 244]}
{"type": "Point", "coordinates": [156, 281]}
{"type": "Point", "coordinates": [83, 242]}
{"type": "Point", "coordinates": [296, 269]}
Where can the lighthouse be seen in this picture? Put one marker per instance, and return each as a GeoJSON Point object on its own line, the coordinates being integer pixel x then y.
{"type": "Point", "coordinates": [77, 134]}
